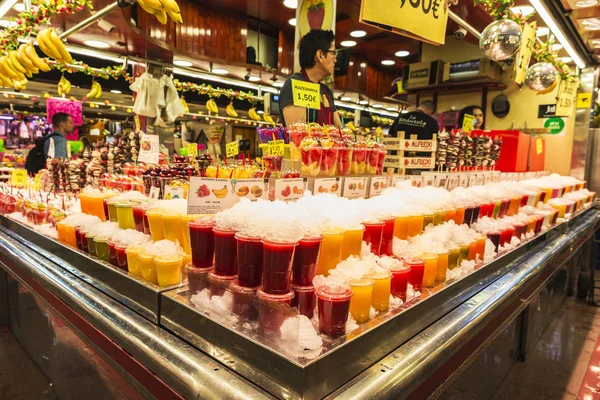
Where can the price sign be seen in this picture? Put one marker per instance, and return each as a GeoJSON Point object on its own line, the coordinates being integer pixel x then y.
{"type": "Point", "coordinates": [539, 146]}
{"type": "Point", "coordinates": [232, 149]}
{"type": "Point", "coordinates": [527, 42]}
{"type": "Point", "coordinates": [154, 193]}
{"type": "Point", "coordinates": [192, 149]}
{"type": "Point", "coordinates": [275, 147]}
{"type": "Point", "coordinates": [306, 94]}
{"type": "Point", "coordinates": [37, 182]}
{"type": "Point", "coordinates": [137, 125]}
{"type": "Point", "coordinates": [584, 100]}
{"type": "Point", "coordinates": [566, 98]}
{"type": "Point", "coordinates": [400, 86]}
{"type": "Point", "coordinates": [467, 124]}
{"type": "Point", "coordinates": [149, 149]}
{"type": "Point", "coordinates": [19, 177]}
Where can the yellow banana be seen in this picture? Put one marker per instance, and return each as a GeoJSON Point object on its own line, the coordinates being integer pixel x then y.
{"type": "Point", "coordinates": [212, 106]}
{"type": "Point", "coordinates": [170, 6]}
{"type": "Point", "coordinates": [20, 85]}
{"type": "Point", "coordinates": [35, 59]}
{"type": "Point", "coordinates": [28, 74]}
{"type": "Point", "coordinates": [268, 119]}
{"type": "Point", "coordinates": [184, 104]}
{"type": "Point", "coordinates": [5, 81]}
{"type": "Point", "coordinates": [11, 69]}
{"type": "Point", "coordinates": [14, 60]}
{"type": "Point", "coordinates": [92, 93]}
{"type": "Point", "coordinates": [47, 45]}
{"type": "Point", "coordinates": [221, 193]}
{"type": "Point", "coordinates": [25, 61]}
{"type": "Point", "coordinates": [152, 5]}
{"type": "Point", "coordinates": [98, 90]}
{"type": "Point", "coordinates": [161, 16]}
{"type": "Point", "coordinates": [253, 115]}
{"type": "Point", "coordinates": [231, 111]}
{"type": "Point", "coordinates": [5, 70]}
{"type": "Point", "coordinates": [175, 17]}
{"type": "Point", "coordinates": [67, 86]}
{"type": "Point", "coordinates": [60, 46]}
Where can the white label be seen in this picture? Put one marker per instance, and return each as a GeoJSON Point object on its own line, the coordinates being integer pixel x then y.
{"type": "Point", "coordinates": [149, 149]}
{"type": "Point", "coordinates": [472, 180]}
{"type": "Point", "coordinates": [487, 178]}
{"type": "Point", "coordinates": [95, 132]}
{"type": "Point", "coordinates": [427, 179]}
{"type": "Point", "coordinates": [154, 193]}
{"type": "Point", "coordinates": [326, 185]}
{"type": "Point", "coordinates": [174, 192]}
{"type": "Point", "coordinates": [354, 187]}
{"type": "Point", "coordinates": [377, 184]}
{"type": "Point", "coordinates": [479, 179]}
{"type": "Point", "coordinates": [453, 181]}
{"type": "Point", "coordinates": [496, 176]}
{"type": "Point", "coordinates": [441, 180]}
{"type": "Point", "coordinates": [463, 180]}
{"type": "Point", "coordinates": [286, 189]}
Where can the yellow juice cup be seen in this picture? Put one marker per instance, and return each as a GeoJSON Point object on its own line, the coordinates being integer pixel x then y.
{"type": "Point", "coordinates": [125, 215]}
{"type": "Point", "coordinates": [401, 227]}
{"type": "Point", "coordinates": [168, 269]}
{"type": "Point", "coordinates": [562, 208]}
{"type": "Point", "coordinates": [548, 194]}
{"type": "Point", "coordinates": [381, 290]}
{"type": "Point", "coordinates": [148, 267]}
{"type": "Point", "coordinates": [133, 262]}
{"type": "Point", "coordinates": [112, 210]}
{"type": "Point", "coordinates": [352, 242]}
{"type": "Point", "coordinates": [61, 229]}
{"type": "Point", "coordinates": [360, 302]}
{"type": "Point", "coordinates": [442, 267]}
{"type": "Point", "coordinates": [454, 258]}
{"type": "Point", "coordinates": [101, 243]}
{"type": "Point", "coordinates": [187, 247]}
{"type": "Point", "coordinates": [439, 217]}
{"type": "Point", "coordinates": [70, 238]}
{"type": "Point", "coordinates": [331, 252]}
{"type": "Point", "coordinates": [464, 252]}
{"type": "Point", "coordinates": [155, 223]}
{"type": "Point", "coordinates": [415, 225]}
{"type": "Point", "coordinates": [430, 269]}
{"type": "Point", "coordinates": [173, 227]}
{"type": "Point", "coordinates": [96, 206]}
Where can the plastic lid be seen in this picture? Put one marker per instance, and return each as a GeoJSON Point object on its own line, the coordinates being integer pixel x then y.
{"type": "Point", "coordinates": [378, 223]}
{"type": "Point", "coordinates": [123, 204]}
{"type": "Point", "coordinates": [429, 256]}
{"type": "Point", "coordinates": [334, 292]}
{"type": "Point", "coordinates": [361, 282]}
{"type": "Point", "coordinates": [274, 297]}
{"type": "Point", "coordinates": [224, 230]}
{"type": "Point", "coordinates": [382, 274]}
{"type": "Point", "coordinates": [190, 267]}
{"type": "Point", "coordinates": [248, 238]}
{"type": "Point", "coordinates": [280, 242]}
{"type": "Point", "coordinates": [155, 211]}
{"type": "Point", "coordinates": [398, 267]}
{"type": "Point", "coordinates": [302, 289]}
{"type": "Point", "coordinates": [202, 222]}
{"type": "Point", "coordinates": [235, 287]}
{"type": "Point", "coordinates": [101, 239]}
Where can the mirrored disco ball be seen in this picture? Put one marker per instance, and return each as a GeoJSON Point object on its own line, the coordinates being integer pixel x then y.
{"type": "Point", "coordinates": [540, 76]}
{"type": "Point", "coordinates": [500, 40]}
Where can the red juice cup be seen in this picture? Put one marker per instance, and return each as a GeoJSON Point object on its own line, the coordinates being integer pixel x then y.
{"type": "Point", "coordinates": [539, 223]}
{"type": "Point", "coordinates": [416, 272]}
{"type": "Point", "coordinates": [121, 256]}
{"type": "Point", "coordinates": [524, 200]}
{"type": "Point", "coordinates": [306, 256]}
{"type": "Point", "coordinates": [399, 285]}
{"type": "Point", "coordinates": [202, 242]}
{"type": "Point", "coordinates": [112, 253]}
{"type": "Point", "coordinates": [373, 235]}
{"type": "Point", "coordinates": [304, 299]}
{"type": "Point", "coordinates": [520, 229]}
{"type": "Point", "coordinates": [243, 301]}
{"type": "Point", "coordinates": [505, 236]}
{"type": "Point", "coordinates": [249, 260]}
{"type": "Point", "coordinates": [503, 208]}
{"type": "Point", "coordinates": [273, 309]}
{"type": "Point", "coordinates": [543, 195]}
{"type": "Point", "coordinates": [218, 283]}
{"type": "Point", "coordinates": [84, 241]}
{"type": "Point", "coordinates": [278, 257]}
{"type": "Point", "coordinates": [146, 225]}
{"type": "Point", "coordinates": [138, 217]}
{"type": "Point", "coordinates": [225, 252]}
{"type": "Point", "coordinates": [495, 238]}
{"type": "Point", "coordinates": [334, 306]}
{"type": "Point", "coordinates": [197, 278]}
{"type": "Point", "coordinates": [78, 238]}
{"type": "Point", "coordinates": [387, 237]}
{"type": "Point", "coordinates": [468, 215]}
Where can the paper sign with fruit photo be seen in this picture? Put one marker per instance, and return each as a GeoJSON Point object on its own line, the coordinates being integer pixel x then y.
{"type": "Point", "coordinates": [209, 195]}
{"type": "Point", "coordinates": [326, 185]}
{"type": "Point", "coordinates": [286, 189]}
{"type": "Point", "coordinates": [315, 14]}
{"type": "Point", "coordinates": [377, 184]}
{"type": "Point", "coordinates": [354, 187]}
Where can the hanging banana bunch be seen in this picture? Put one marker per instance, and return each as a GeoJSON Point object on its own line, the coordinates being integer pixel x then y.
{"type": "Point", "coordinates": [161, 8]}
{"type": "Point", "coordinates": [184, 104]}
{"type": "Point", "coordinates": [268, 119]}
{"type": "Point", "coordinates": [19, 65]}
{"type": "Point", "coordinates": [52, 46]}
{"type": "Point", "coordinates": [64, 86]}
{"type": "Point", "coordinates": [231, 111]}
{"type": "Point", "coordinates": [96, 91]}
{"type": "Point", "coordinates": [254, 115]}
{"type": "Point", "coordinates": [211, 106]}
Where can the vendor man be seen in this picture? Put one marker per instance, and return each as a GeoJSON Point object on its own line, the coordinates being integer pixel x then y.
{"type": "Point", "coordinates": [317, 59]}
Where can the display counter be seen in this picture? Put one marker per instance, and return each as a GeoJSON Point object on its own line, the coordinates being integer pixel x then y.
{"type": "Point", "coordinates": [160, 344]}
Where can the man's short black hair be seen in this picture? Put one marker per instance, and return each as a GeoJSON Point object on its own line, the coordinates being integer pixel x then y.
{"type": "Point", "coordinates": [316, 39]}
{"type": "Point", "coordinates": [59, 118]}
{"type": "Point", "coordinates": [427, 106]}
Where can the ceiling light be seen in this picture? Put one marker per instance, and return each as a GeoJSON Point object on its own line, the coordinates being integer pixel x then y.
{"type": "Point", "coordinates": [363, 102]}
{"type": "Point", "coordinates": [358, 33]}
{"type": "Point", "coordinates": [402, 53]}
{"type": "Point", "coordinates": [586, 3]}
{"type": "Point", "coordinates": [254, 79]}
{"type": "Point", "coordinates": [549, 20]}
{"type": "Point", "coordinates": [556, 47]}
{"type": "Point", "coordinates": [348, 43]}
{"type": "Point", "coordinates": [542, 31]}
{"type": "Point", "coordinates": [260, 112]}
{"type": "Point", "coordinates": [404, 111]}
{"type": "Point", "coordinates": [115, 91]}
{"type": "Point", "coordinates": [523, 10]}
{"type": "Point", "coordinates": [292, 22]}
{"type": "Point", "coordinates": [290, 3]}
{"type": "Point", "coordinates": [20, 7]}
{"type": "Point", "coordinates": [362, 65]}
{"type": "Point", "coordinates": [388, 62]}
{"type": "Point", "coordinates": [377, 106]}
{"type": "Point", "coordinates": [220, 71]}
{"type": "Point", "coordinates": [592, 27]}
{"type": "Point", "coordinates": [346, 98]}
{"type": "Point", "coordinates": [4, 23]}
{"type": "Point", "coordinates": [278, 84]}
{"type": "Point", "coordinates": [590, 21]}
{"type": "Point", "coordinates": [5, 6]}
{"type": "Point", "coordinates": [182, 63]}
{"type": "Point", "coordinates": [97, 44]}
{"type": "Point", "coordinates": [566, 59]}
{"type": "Point", "coordinates": [391, 109]}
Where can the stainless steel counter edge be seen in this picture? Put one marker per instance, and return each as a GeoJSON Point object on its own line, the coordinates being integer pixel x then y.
{"type": "Point", "coordinates": [183, 368]}
{"type": "Point", "coordinates": [399, 374]}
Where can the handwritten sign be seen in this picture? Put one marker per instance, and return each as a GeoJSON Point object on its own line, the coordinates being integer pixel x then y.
{"type": "Point", "coordinates": [149, 149]}
{"type": "Point", "coordinates": [306, 94]}
{"type": "Point", "coordinates": [275, 147]}
{"type": "Point", "coordinates": [566, 98]}
{"type": "Point", "coordinates": [522, 62]}
{"type": "Point", "coordinates": [232, 149]}
{"type": "Point", "coordinates": [467, 124]}
{"type": "Point", "coordinates": [192, 149]}
{"type": "Point", "coordinates": [19, 177]}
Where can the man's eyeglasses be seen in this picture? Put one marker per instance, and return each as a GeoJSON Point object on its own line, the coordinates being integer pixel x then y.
{"type": "Point", "coordinates": [334, 52]}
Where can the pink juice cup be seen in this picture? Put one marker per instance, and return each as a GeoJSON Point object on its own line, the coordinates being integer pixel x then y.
{"type": "Point", "coordinates": [306, 256]}
{"type": "Point", "coordinates": [387, 237]}
{"type": "Point", "coordinates": [416, 272]}
{"type": "Point", "coordinates": [373, 235]}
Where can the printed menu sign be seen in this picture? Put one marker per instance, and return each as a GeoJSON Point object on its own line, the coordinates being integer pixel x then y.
{"type": "Point", "coordinates": [354, 187]}
{"type": "Point", "coordinates": [377, 184]}
{"type": "Point", "coordinates": [419, 145]}
{"type": "Point", "coordinates": [212, 195]}
{"type": "Point", "coordinates": [286, 189]}
{"type": "Point", "coordinates": [149, 149]}
{"type": "Point", "coordinates": [326, 185]}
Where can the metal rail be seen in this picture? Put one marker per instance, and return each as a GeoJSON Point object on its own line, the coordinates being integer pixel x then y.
{"type": "Point", "coordinates": [90, 20]}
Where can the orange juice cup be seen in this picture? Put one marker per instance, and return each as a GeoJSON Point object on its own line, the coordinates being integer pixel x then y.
{"type": "Point", "coordinates": [450, 215]}
{"type": "Point", "coordinates": [134, 265]}
{"type": "Point", "coordinates": [473, 251]}
{"type": "Point", "coordinates": [96, 206]}
{"type": "Point", "coordinates": [401, 227]}
{"type": "Point", "coordinates": [172, 227]}
{"type": "Point", "coordinates": [415, 225]}
{"type": "Point", "coordinates": [562, 208]}
{"type": "Point", "coordinates": [442, 267]}
{"type": "Point", "coordinates": [83, 200]}
{"type": "Point", "coordinates": [168, 269]}
{"type": "Point", "coordinates": [513, 207]}
{"type": "Point", "coordinates": [381, 290]}
{"type": "Point", "coordinates": [61, 229]}
{"type": "Point", "coordinates": [155, 223]}
{"type": "Point", "coordinates": [148, 267]}
{"type": "Point", "coordinates": [331, 252]}
{"type": "Point", "coordinates": [352, 242]}
{"type": "Point", "coordinates": [70, 238]}
{"type": "Point", "coordinates": [459, 217]}
{"type": "Point", "coordinates": [430, 269]}
{"type": "Point", "coordinates": [480, 252]}
{"type": "Point", "coordinates": [360, 302]}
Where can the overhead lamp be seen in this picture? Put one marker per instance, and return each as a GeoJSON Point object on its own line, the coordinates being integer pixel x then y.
{"type": "Point", "coordinates": [97, 44]}
{"type": "Point", "coordinates": [182, 63]}
{"type": "Point", "coordinates": [542, 31]}
{"type": "Point", "coordinates": [224, 80]}
{"type": "Point", "coordinates": [348, 43]}
{"type": "Point", "coordinates": [260, 112]}
{"type": "Point", "coordinates": [402, 53]}
{"type": "Point", "coordinates": [549, 20]}
{"type": "Point", "coordinates": [522, 10]}
{"type": "Point", "coordinates": [292, 22]}
{"type": "Point", "coordinates": [363, 65]}
{"type": "Point", "coordinates": [290, 3]}
{"type": "Point", "coordinates": [358, 34]}
{"type": "Point", "coordinates": [363, 102]}
{"type": "Point", "coordinates": [220, 71]}
{"type": "Point", "coordinates": [278, 84]}
{"type": "Point", "coordinates": [586, 3]}
{"type": "Point", "coordinates": [346, 98]}
{"type": "Point", "coordinates": [388, 62]}
{"type": "Point", "coordinates": [254, 79]}
{"type": "Point", "coordinates": [404, 111]}
{"type": "Point", "coordinates": [115, 91]}
{"type": "Point", "coordinates": [5, 6]}
{"type": "Point", "coordinates": [377, 105]}
{"type": "Point", "coordinates": [391, 109]}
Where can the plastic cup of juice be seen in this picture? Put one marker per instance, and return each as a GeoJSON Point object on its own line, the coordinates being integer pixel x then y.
{"type": "Point", "coordinates": [495, 238]}
{"type": "Point", "coordinates": [134, 265]}
{"type": "Point", "coordinates": [428, 220]}
{"type": "Point", "coordinates": [219, 284]}
{"type": "Point", "coordinates": [112, 252]}
{"type": "Point", "coordinates": [473, 251]}
{"type": "Point", "coordinates": [121, 256]}
{"type": "Point", "coordinates": [102, 248]}
{"type": "Point", "coordinates": [155, 223]}
{"type": "Point", "coordinates": [197, 278]}
{"type": "Point", "coordinates": [464, 251]}
{"type": "Point", "coordinates": [202, 242]}
{"type": "Point", "coordinates": [373, 235]}
{"type": "Point", "coordinates": [278, 257]}
{"type": "Point", "coordinates": [504, 204]}
{"type": "Point", "coordinates": [186, 231]}
{"type": "Point", "coordinates": [112, 210]}
{"type": "Point", "coordinates": [399, 283]}
{"type": "Point", "coordinates": [168, 269]}
{"type": "Point", "coordinates": [562, 209]}
{"type": "Point", "coordinates": [496, 210]}
{"type": "Point", "coordinates": [430, 269]}
{"type": "Point", "coordinates": [387, 237]}
{"type": "Point", "coordinates": [453, 258]}
{"type": "Point", "coordinates": [306, 257]}
{"type": "Point", "coordinates": [381, 290]}
{"type": "Point", "coordinates": [225, 252]}
{"type": "Point", "coordinates": [249, 260]}
{"type": "Point", "coordinates": [460, 215]}
{"type": "Point", "coordinates": [442, 267]}
{"type": "Point", "coordinates": [78, 238]}
{"type": "Point", "coordinates": [173, 227]}
{"type": "Point", "coordinates": [145, 209]}
{"type": "Point", "coordinates": [138, 217]}
{"type": "Point", "coordinates": [476, 212]}
{"type": "Point", "coordinates": [450, 215]}
{"type": "Point", "coordinates": [539, 223]}
{"type": "Point", "coordinates": [415, 225]}
{"type": "Point", "coordinates": [334, 306]}
{"type": "Point", "coordinates": [91, 244]}
{"type": "Point", "coordinates": [148, 267]}
{"type": "Point", "coordinates": [83, 200]}
{"type": "Point", "coordinates": [480, 252]}
{"type": "Point", "coordinates": [273, 309]}
{"type": "Point", "coordinates": [416, 273]}
{"type": "Point", "coordinates": [304, 299]}
{"type": "Point", "coordinates": [125, 215]}
{"type": "Point", "coordinates": [331, 252]}
{"type": "Point", "coordinates": [243, 301]}
{"type": "Point", "coordinates": [60, 228]}
{"type": "Point", "coordinates": [401, 227]}
{"type": "Point", "coordinates": [96, 206]}
{"type": "Point", "coordinates": [439, 217]}
{"type": "Point", "coordinates": [468, 216]}
{"type": "Point", "coordinates": [84, 241]}
{"type": "Point", "coordinates": [362, 297]}
{"type": "Point", "coordinates": [352, 242]}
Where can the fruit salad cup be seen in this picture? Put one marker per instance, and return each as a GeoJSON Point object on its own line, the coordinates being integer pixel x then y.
{"type": "Point", "coordinates": [329, 157]}
{"type": "Point", "coordinates": [382, 154]}
{"type": "Point", "coordinates": [359, 158]}
{"type": "Point", "coordinates": [311, 156]}
{"type": "Point", "coordinates": [344, 158]}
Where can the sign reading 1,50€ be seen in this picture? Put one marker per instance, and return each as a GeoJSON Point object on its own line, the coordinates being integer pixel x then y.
{"type": "Point", "coordinates": [306, 94]}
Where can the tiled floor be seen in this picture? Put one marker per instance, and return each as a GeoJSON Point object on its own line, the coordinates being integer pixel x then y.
{"type": "Point", "coordinates": [555, 368]}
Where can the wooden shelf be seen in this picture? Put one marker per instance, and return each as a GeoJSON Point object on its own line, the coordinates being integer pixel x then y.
{"type": "Point", "coordinates": [455, 87]}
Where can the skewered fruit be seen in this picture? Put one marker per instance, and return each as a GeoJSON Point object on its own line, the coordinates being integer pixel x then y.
{"type": "Point", "coordinates": [52, 46]}
{"type": "Point", "coordinates": [231, 111]}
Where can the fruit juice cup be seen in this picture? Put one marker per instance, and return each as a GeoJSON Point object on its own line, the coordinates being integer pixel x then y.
{"type": "Point", "coordinates": [450, 215]}
{"type": "Point", "coordinates": [91, 244]}
{"type": "Point", "coordinates": [155, 223]}
{"type": "Point", "coordinates": [476, 211]}
{"type": "Point", "coordinates": [387, 237]}
{"type": "Point", "coordinates": [344, 160]}
{"type": "Point", "coordinates": [399, 283]}
{"type": "Point", "coordinates": [460, 216]}
{"type": "Point", "coordinates": [173, 227]}
{"type": "Point", "coordinates": [524, 200]}
{"type": "Point", "coordinates": [121, 257]}
{"type": "Point", "coordinates": [102, 248]}
{"type": "Point", "coordinates": [359, 161]}
{"type": "Point", "coordinates": [562, 209]}
{"type": "Point", "coordinates": [334, 307]}
{"type": "Point", "coordinates": [453, 258]}
{"type": "Point", "coordinates": [225, 252]}
{"type": "Point", "coordinates": [415, 225]}
{"type": "Point", "coordinates": [112, 252]}
{"type": "Point", "coordinates": [218, 284]}
{"type": "Point", "coordinates": [381, 290]}
{"type": "Point", "coordinates": [539, 222]}
{"type": "Point", "coordinates": [70, 235]}
{"type": "Point", "coordinates": [505, 235]}
{"type": "Point", "coordinates": [489, 209]}
{"type": "Point", "coordinates": [352, 242]}
{"type": "Point", "coordinates": [185, 219]}
{"type": "Point", "coordinates": [134, 265]}
{"type": "Point", "coordinates": [148, 267]}
{"type": "Point", "coordinates": [168, 269]}
{"type": "Point", "coordinates": [96, 206]}
{"type": "Point", "coordinates": [542, 196]}
{"type": "Point", "coordinates": [78, 238]}
{"type": "Point", "coordinates": [442, 267]}
{"type": "Point", "coordinates": [360, 302]}
{"type": "Point", "coordinates": [496, 210]}
{"type": "Point", "coordinates": [401, 227]}
{"type": "Point", "coordinates": [495, 238]}
{"type": "Point", "coordinates": [197, 278]}
{"type": "Point", "coordinates": [202, 242]}
{"type": "Point", "coordinates": [329, 160]}
{"type": "Point", "coordinates": [439, 217]}
{"type": "Point", "coordinates": [468, 216]}
{"type": "Point", "coordinates": [145, 208]}
{"type": "Point", "coordinates": [304, 299]}
{"type": "Point", "coordinates": [278, 257]}
{"type": "Point", "coordinates": [84, 241]}
{"type": "Point", "coordinates": [306, 257]}
{"type": "Point", "coordinates": [554, 217]}
{"type": "Point", "coordinates": [533, 199]}
{"type": "Point", "coordinates": [428, 220]}
{"type": "Point", "coordinates": [547, 194]}
{"type": "Point", "coordinates": [61, 229]}
{"type": "Point", "coordinates": [331, 252]}
{"type": "Point", "coordinates": [505, 203]}
{"type": "Point", "coordinates": [416, 273]}
{"type": "Point", "coordinates": [112, 210]}
{"type": "Point", "coordinates": [105, 206]}
{"type": "Point", "coordinates": [243, 301]}
{"type": "Point", "coordinates": [464, 252]}
{"type": "Point", "coordinates": [138, 217]}
{"type": "Point", "coordinates": [273, 309]}
{"type": "Point", "coordinates": [473, 251]}
{"type": "Point", "coordinates": [513, 208]}
{"type": "Point", "coordinates": [83, 201]}
{"type": "Point", "coordinates": [430, 269]}
{"type": "Point", "coordinates": [125, 215]}
{"type": "Point", "coordinates": [480, 252]}
{"type": "Point", "coordinates": [311, 161]}
{"type": "Point", "coordinates": [373, 235]}
{"type": "Point", "coordinates": [531, 225]}
{"type": "Point", "coordinates": [249, 260]}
